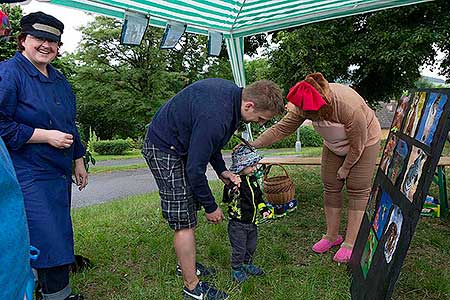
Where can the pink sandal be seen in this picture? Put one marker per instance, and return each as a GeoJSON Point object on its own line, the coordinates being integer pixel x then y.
{"type": "Point", "coordinates": [325, 244]}
{"type": "Point", "coordinates": [343, 254]}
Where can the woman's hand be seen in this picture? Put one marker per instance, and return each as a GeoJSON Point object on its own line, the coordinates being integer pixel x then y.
{"type": "Point", "coordinates": [81, 176]}
{"type": "Point", "coordinates": [342, 173]}
{"type": "Point", "coordinates": [55, 138]}
{"type": "Point", "coordinates": [59, 139]}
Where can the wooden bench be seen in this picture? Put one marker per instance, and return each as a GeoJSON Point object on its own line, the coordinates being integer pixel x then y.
{"type": "Point", "coordinates": [440, 179]}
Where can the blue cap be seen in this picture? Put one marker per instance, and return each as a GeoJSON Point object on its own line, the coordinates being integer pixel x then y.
{"type": "Point", "coordinates": [244, 157]}
{"type": "Point", "coordinates": [41, 25]}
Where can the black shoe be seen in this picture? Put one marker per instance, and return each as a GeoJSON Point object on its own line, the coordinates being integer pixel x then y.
{"type": "Point", "coordinates": [75, 297]}
{"type": "Point", "coordinates": [80, 264]}
{"type": "Point", "coordinates": [201, 270]}
{"type": "Point", "coordinates": [204, 292]}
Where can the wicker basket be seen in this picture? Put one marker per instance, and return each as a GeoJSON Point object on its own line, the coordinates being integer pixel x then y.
{"type": "Point", "coordinates": [278, 189]}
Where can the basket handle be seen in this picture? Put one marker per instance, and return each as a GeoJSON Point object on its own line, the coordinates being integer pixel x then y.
{"type": "Point", "coordinates": [266, 172]}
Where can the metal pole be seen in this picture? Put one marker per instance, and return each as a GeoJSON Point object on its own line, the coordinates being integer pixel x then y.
{"type": "Point", "coordinates": [298, 144]}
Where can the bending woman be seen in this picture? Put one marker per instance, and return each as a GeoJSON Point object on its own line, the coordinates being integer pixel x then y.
{"type": "Point", "coordinates": [351, 134]}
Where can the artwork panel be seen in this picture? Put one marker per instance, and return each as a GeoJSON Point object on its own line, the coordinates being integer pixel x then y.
{"type": "Point", "coordinates": [413, 172]}
{"type": "Point", "coordinates": [432, 114]}
{"type": "Point", "coordinates": [369, 250]}
{"type": "Point", "coordinates": [398, 161]}
{"type": "Point", "coordinates": [414, 113]}
{"type": "Point", "coordinates": [388, 152]}
{"type": "Point", "coordinates": [400, 113]}
{"type": "Point", "coordinates": [382, 214]}
{"type": "Point", "coordinates": [372, 203]}
{"type": "Point", "coordinates": [392, 233]}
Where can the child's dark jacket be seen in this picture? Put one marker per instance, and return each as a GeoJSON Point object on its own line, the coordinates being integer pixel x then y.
{"type": "Point", "coordinates": [245, 204]}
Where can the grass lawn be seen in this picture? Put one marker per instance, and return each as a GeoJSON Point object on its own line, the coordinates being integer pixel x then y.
{"type": "Point", "coordinates": [131, 247]}
{"type": "Point", "coordinates": [103, 169]}
{"type": "Point", "coordinates": [127, 155]}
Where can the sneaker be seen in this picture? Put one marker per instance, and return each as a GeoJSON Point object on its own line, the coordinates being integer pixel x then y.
{"type": "Point", "coordinates": [291, 205]}
{"type": "Point", "coordinates": [279, 210]}
{"type": "Point", "coordinates": [251, 269]}
{"type": "Point", "coordinates": [204, 292]}
{"type": "Point", "coordinates": [324, 244]}
{"type": "Point", "coordinates": [239, 275]}
{"type": "Point", "coordinates": [201, 270]}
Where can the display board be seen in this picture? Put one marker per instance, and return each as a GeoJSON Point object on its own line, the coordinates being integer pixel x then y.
{"type": "Point", "coordinates": [410, 157]}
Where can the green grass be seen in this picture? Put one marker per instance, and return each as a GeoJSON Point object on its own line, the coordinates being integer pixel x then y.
{"type": "Point", "coordinates": [127, 155]}
{"type": "Point", "coordinates": [104, 169]}
{"type": "Point", "coordinates": [131, 246]}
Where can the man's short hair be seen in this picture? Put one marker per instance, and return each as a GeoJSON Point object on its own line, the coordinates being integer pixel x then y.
{"type": "Point", "coordinates": [266, 95]}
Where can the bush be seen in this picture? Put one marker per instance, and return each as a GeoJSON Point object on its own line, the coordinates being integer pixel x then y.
{"type": "Point", "coordinates": [232, 142]}
{"type": "Point", "coordinates": [309, 137]}
{"type": "Point", "coordinates": [111, 147]}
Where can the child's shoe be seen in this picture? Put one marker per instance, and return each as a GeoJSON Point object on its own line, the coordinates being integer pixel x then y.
{"type": "Point", "coordinates": [253, 270]}
{"type": "Point", "coordinates": [291, 205]}
{"type": "Point", "coordinates": [238, 274]}
{"type": "Point", "coordinates": [343, 255]}
{"type": "Point", "coordinates": [279, 210]}
{"type": "Point", "coordinates": [325, 244]}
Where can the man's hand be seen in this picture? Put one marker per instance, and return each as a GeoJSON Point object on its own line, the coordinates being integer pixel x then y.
{"type": "Point", "coordinates": [81, 176]}
{"type": "Point", "coordinates": [227, 177]}
{"type": "Point", "coordinates": [216, 216]}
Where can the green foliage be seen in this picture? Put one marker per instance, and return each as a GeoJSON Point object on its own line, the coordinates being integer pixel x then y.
{"type": "Point", "coordinates": [7, 49]}
{"type": "Point", "coordinates": [111, 147]}
{"type": "Point", "coordinates": [309, 137]}
{"type": "Point", "coordinates": [379, 53]}
{"type": "Point", "coordinates": [119, 88]}
{"type": "Point", "coordinates": [234, 141]}
{"type": "Point", "coordinates": [257, 69]}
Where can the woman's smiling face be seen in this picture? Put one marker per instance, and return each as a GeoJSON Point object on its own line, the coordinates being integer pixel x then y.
{"type": "Point", "coordinates": [39, 51]}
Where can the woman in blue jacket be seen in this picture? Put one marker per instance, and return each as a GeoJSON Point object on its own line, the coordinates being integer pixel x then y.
{"type": "Point", "coordinates": [37, 123]}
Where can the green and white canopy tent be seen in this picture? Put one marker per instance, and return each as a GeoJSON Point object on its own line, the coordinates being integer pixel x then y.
{"type": "Point", "coordinates": [236, 19]}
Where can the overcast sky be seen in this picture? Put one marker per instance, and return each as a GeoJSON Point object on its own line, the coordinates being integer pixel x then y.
{"type": "Point", "coordinates": [73, 19]}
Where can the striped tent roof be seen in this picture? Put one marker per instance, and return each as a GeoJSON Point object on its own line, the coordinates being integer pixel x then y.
{"type": "Point", "coordinates": [237, 18]}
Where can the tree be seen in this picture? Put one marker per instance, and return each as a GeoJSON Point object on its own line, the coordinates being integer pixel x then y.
{"type": "Point", "coordinates": [378, 53]}
{"type": "Point", "coordinates": [119, 88]}
{"type": "Point", "coordinates": [7, 49]}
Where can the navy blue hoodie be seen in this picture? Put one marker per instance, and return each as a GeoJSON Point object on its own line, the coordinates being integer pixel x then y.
{"type": "Point", "coordinates": [195, 124]}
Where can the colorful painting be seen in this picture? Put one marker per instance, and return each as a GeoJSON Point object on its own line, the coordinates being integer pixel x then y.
{"type": "Point", "coordinates": [431, 117]}
{"type": "Point", "coordinates": [399, 113]}
{"type": "Point", "coordinates": [398, 161]}
{"type": "Point", "coordinates": [392, 233]}
{"type": "Point", "coordinates": [414, 113]}
{"type": "Point", "coordinates": [372, 203]}
{"type": "Point", "coordinates": [369, 250]}
{"type": "Point", "coordinates": [382, 214]}
{"type": "Point", "coordinates": [413, 173]}
{"type": "Point", "coordinates": [388, 152]}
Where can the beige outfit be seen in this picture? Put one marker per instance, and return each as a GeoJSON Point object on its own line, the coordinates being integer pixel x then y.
{"type": "Point", "coordinates": [351, 135]}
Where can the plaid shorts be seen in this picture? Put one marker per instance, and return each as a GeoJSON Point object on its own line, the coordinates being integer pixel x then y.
{"type": "Point", "coordinates": [178, 205]}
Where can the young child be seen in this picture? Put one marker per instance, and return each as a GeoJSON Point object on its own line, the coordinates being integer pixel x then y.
{"type": "Point", "coordinates": [244, 205]}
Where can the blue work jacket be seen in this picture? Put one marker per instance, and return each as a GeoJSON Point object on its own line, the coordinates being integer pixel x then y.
{"type": "Point", "coordinates": [30, 100]}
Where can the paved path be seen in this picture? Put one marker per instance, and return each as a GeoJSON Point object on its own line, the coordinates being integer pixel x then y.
{"type": "Point", "coordinates": [109, 186]}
